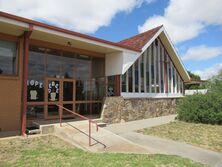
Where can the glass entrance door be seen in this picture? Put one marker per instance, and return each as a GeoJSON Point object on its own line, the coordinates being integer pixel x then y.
{"type": "Point", "coordinates": [59, 92]}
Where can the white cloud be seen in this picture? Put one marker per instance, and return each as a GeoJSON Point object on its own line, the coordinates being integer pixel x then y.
{"type": "Point", "coordinates": [79, 15]}
{"type": "Point", "coordinates": [186, 19]}
{"type": "Point", "coordinates": [202, 52]}
{"type": "Point", "coordinates": [209, 72]}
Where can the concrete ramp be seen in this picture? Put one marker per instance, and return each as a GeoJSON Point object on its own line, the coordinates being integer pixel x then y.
{"type": "Point", "coordinates": [77, 133]}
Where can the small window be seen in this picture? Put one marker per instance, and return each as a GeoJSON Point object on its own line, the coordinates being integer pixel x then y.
{"type": "Point", "coordinates": [8, 58]}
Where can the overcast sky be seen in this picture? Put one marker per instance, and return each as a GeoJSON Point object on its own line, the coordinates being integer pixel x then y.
{"type": "Point", "coordinates": [194, 26]}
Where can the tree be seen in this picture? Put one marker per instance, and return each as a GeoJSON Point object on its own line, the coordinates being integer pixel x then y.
{"type": "Point", "coordinates": [193, 77]}
{"type": "Point", "coordinates": [215, 83]}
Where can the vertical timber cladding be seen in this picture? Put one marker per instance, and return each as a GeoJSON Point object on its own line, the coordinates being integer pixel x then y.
{"type": "Point", "coordinates": [11, 92]}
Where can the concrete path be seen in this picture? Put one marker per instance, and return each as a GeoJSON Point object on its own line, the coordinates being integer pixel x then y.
{"type": "Point", "coordinates": [77, 133]}
{"type": "Point", "coordinates": [164, 146]}
{"type": "Point", "coordinates": [120, 128]}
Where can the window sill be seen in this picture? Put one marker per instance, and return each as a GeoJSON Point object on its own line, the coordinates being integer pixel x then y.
{"type": "Point", "coordinates": [151, 95]}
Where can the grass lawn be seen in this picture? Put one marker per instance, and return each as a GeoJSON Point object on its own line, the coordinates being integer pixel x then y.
{"type": "Point", "coordinates": [51, 151]}
{"type": "Point", "coordinates": [205, 136]}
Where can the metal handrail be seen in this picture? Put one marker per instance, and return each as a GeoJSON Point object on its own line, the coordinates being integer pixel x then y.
{"type": "Point", "coordinates": [81, 116]}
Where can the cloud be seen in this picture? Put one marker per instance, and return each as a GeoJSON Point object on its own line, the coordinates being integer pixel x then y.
{"type": "Point", "coordinates": [80, 15]}
{"type": "Point", "coordinates": [185, 20]}
{"type": "Point", "coordinates": [209, 72]}
{"type": "Point", "coordinates": [202, 52]}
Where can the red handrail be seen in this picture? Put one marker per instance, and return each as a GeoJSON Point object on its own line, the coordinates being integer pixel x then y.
{"type": "Point", "coordinates": [81, 116]}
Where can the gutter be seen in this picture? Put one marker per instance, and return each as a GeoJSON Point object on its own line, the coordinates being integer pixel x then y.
{"type": "Point", "coordinates": [61, 30]}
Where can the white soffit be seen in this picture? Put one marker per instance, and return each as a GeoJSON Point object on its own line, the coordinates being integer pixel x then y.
{"type": "Point", "coordinates": [174, 55]}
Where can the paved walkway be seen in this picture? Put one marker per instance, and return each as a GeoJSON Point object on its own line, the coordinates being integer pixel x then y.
{"type": "Point", "coordinates": [77, 133]}
{"type": "Point", "coordinates": [164, 146]}
{"type": "Point", "coordinates": [120, 128]}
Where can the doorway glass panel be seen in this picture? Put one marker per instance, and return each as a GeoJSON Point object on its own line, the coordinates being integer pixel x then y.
{"type": "Point", "coordinates": [53, 91]}
{"type": "Point", "coordinates": [68, 106]}
{"type": "Point", "coordinates": [53, 110]}
{"type": "Point", "coordinates": [67, 91]}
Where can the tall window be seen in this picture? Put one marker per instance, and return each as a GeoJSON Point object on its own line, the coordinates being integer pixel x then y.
{"type": "Point", "coordinates": [136, 77]}
{"type": "Point", "coordinates": [153, 72]}
{"type": "Point", "coordinates": [147, 72]}
{"type": "Point", "coordinates": [130, 79]}
{"type": "Point", "coordinates": [124, 83]}
{"type": "Point", "coordinates": [142, 73]}
{"type": "Point", "coordinates": [8, 58]}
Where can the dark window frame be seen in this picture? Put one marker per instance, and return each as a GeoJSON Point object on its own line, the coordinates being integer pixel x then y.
{"type": "Point", "coordinates": [14, 39]}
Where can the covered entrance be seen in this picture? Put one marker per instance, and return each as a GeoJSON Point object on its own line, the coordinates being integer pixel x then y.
{"type": "Point", "coordinates": [56, 77]}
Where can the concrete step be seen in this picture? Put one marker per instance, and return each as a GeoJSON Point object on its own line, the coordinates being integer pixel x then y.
{"type": "Point", "coordinates": [33, 129]}
{"type": "Point", "coordinates": [101, 124]}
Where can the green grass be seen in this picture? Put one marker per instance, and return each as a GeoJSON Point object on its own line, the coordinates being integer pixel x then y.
{"type": "Point", "coordinates": [51, 151]}
{"type": "Point", "coordinates": [202, 135]}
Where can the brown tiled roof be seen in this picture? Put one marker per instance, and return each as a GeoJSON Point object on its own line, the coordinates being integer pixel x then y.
{"type": "Point", "coordinates": [140, 40]}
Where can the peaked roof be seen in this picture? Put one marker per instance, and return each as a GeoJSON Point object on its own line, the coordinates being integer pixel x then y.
{"type": "Point", "coordinates": [140, 40]}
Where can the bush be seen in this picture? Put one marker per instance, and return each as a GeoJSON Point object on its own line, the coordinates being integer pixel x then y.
{"type": "Point", "coordinates": [201, 108]}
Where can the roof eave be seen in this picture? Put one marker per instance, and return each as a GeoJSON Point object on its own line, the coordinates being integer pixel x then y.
{"type": "Point", "coordinates": [24, 22]}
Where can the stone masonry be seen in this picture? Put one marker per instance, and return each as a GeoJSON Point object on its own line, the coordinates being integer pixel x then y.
{"type": "Point", "coordinates": [118, 109]}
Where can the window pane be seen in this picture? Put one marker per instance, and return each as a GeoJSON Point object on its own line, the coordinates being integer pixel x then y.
{"type": "Point", "coordinates": [53, 91]}
{"type": "Point", "coordinates": [152, 68]}
{"type": "Point", "coordinates": [169, 73]}
{"type": "Point", "coordinates": [35, 90]}
{"type": "Point", "coordinates": [130, 80]}
{"type": "Point", "coordinates": [142, 73]}
{"type": "Point", "coordinates": [124, 82]}
{"type": "Point", "coordinates": [147, 73]}
{"type": "Point", "coordinates": [161, 68]}
{"type": "Point", "coordinates": [8, 58]}
{"type": "Point", "coordinates": [69, 107]}
{"type": "Point", "coordinates": [98, 88]}
{"type": "Point", "coordinates": [174, 83]}
{"type": "Point", "coordinates": [67, 91]}
{"type": "Point", "coordinates": [53, 110]}
{"type": "Point", "coordinates": [68, 66]}
{"type": "Point", "coordinates": [82, 90]}
{"type": "Point", "coordinates": [83, 108]}
{"type": "Point", "coordinates": [83, 67]}
{"type": "Point", "coordinates": [111, 86]}
{"type": "Point", "coordinates": [36, 73]}
{"type": "Point", "coordinates": [35, 112]}
{"type": "Point", "coordinates": [136, 77]}
{"type": "Point", "coordinates": [54, 65]}
{"type": "Point", "coordinates": [157, 66]}
{"type": "Point", "coordinates": [96, 108]}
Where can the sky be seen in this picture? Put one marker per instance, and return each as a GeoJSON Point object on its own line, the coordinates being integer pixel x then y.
{"type": "Point", "coordinates": [194, 26]}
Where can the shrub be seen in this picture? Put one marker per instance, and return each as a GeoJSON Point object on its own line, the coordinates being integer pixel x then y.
{"type": "Point", "coordinates": [201, 108]}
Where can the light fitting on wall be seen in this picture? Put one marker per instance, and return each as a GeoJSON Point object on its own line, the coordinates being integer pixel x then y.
{"type": "Point", "coordinates": [69, 43]}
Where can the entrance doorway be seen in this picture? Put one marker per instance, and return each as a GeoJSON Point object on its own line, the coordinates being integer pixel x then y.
{"type": "Point", "coordinates": [59, 92]}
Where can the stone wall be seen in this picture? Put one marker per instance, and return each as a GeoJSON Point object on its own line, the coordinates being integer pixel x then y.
{"type": "Point", "coordinates": [118, 109]}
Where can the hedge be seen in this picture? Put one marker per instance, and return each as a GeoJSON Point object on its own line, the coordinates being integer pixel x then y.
{"type": "Point", "coordinates": [201, 108]}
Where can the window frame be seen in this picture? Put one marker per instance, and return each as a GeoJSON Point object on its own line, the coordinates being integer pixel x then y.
{"type": "Point", "coordinates": [15, 39]}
